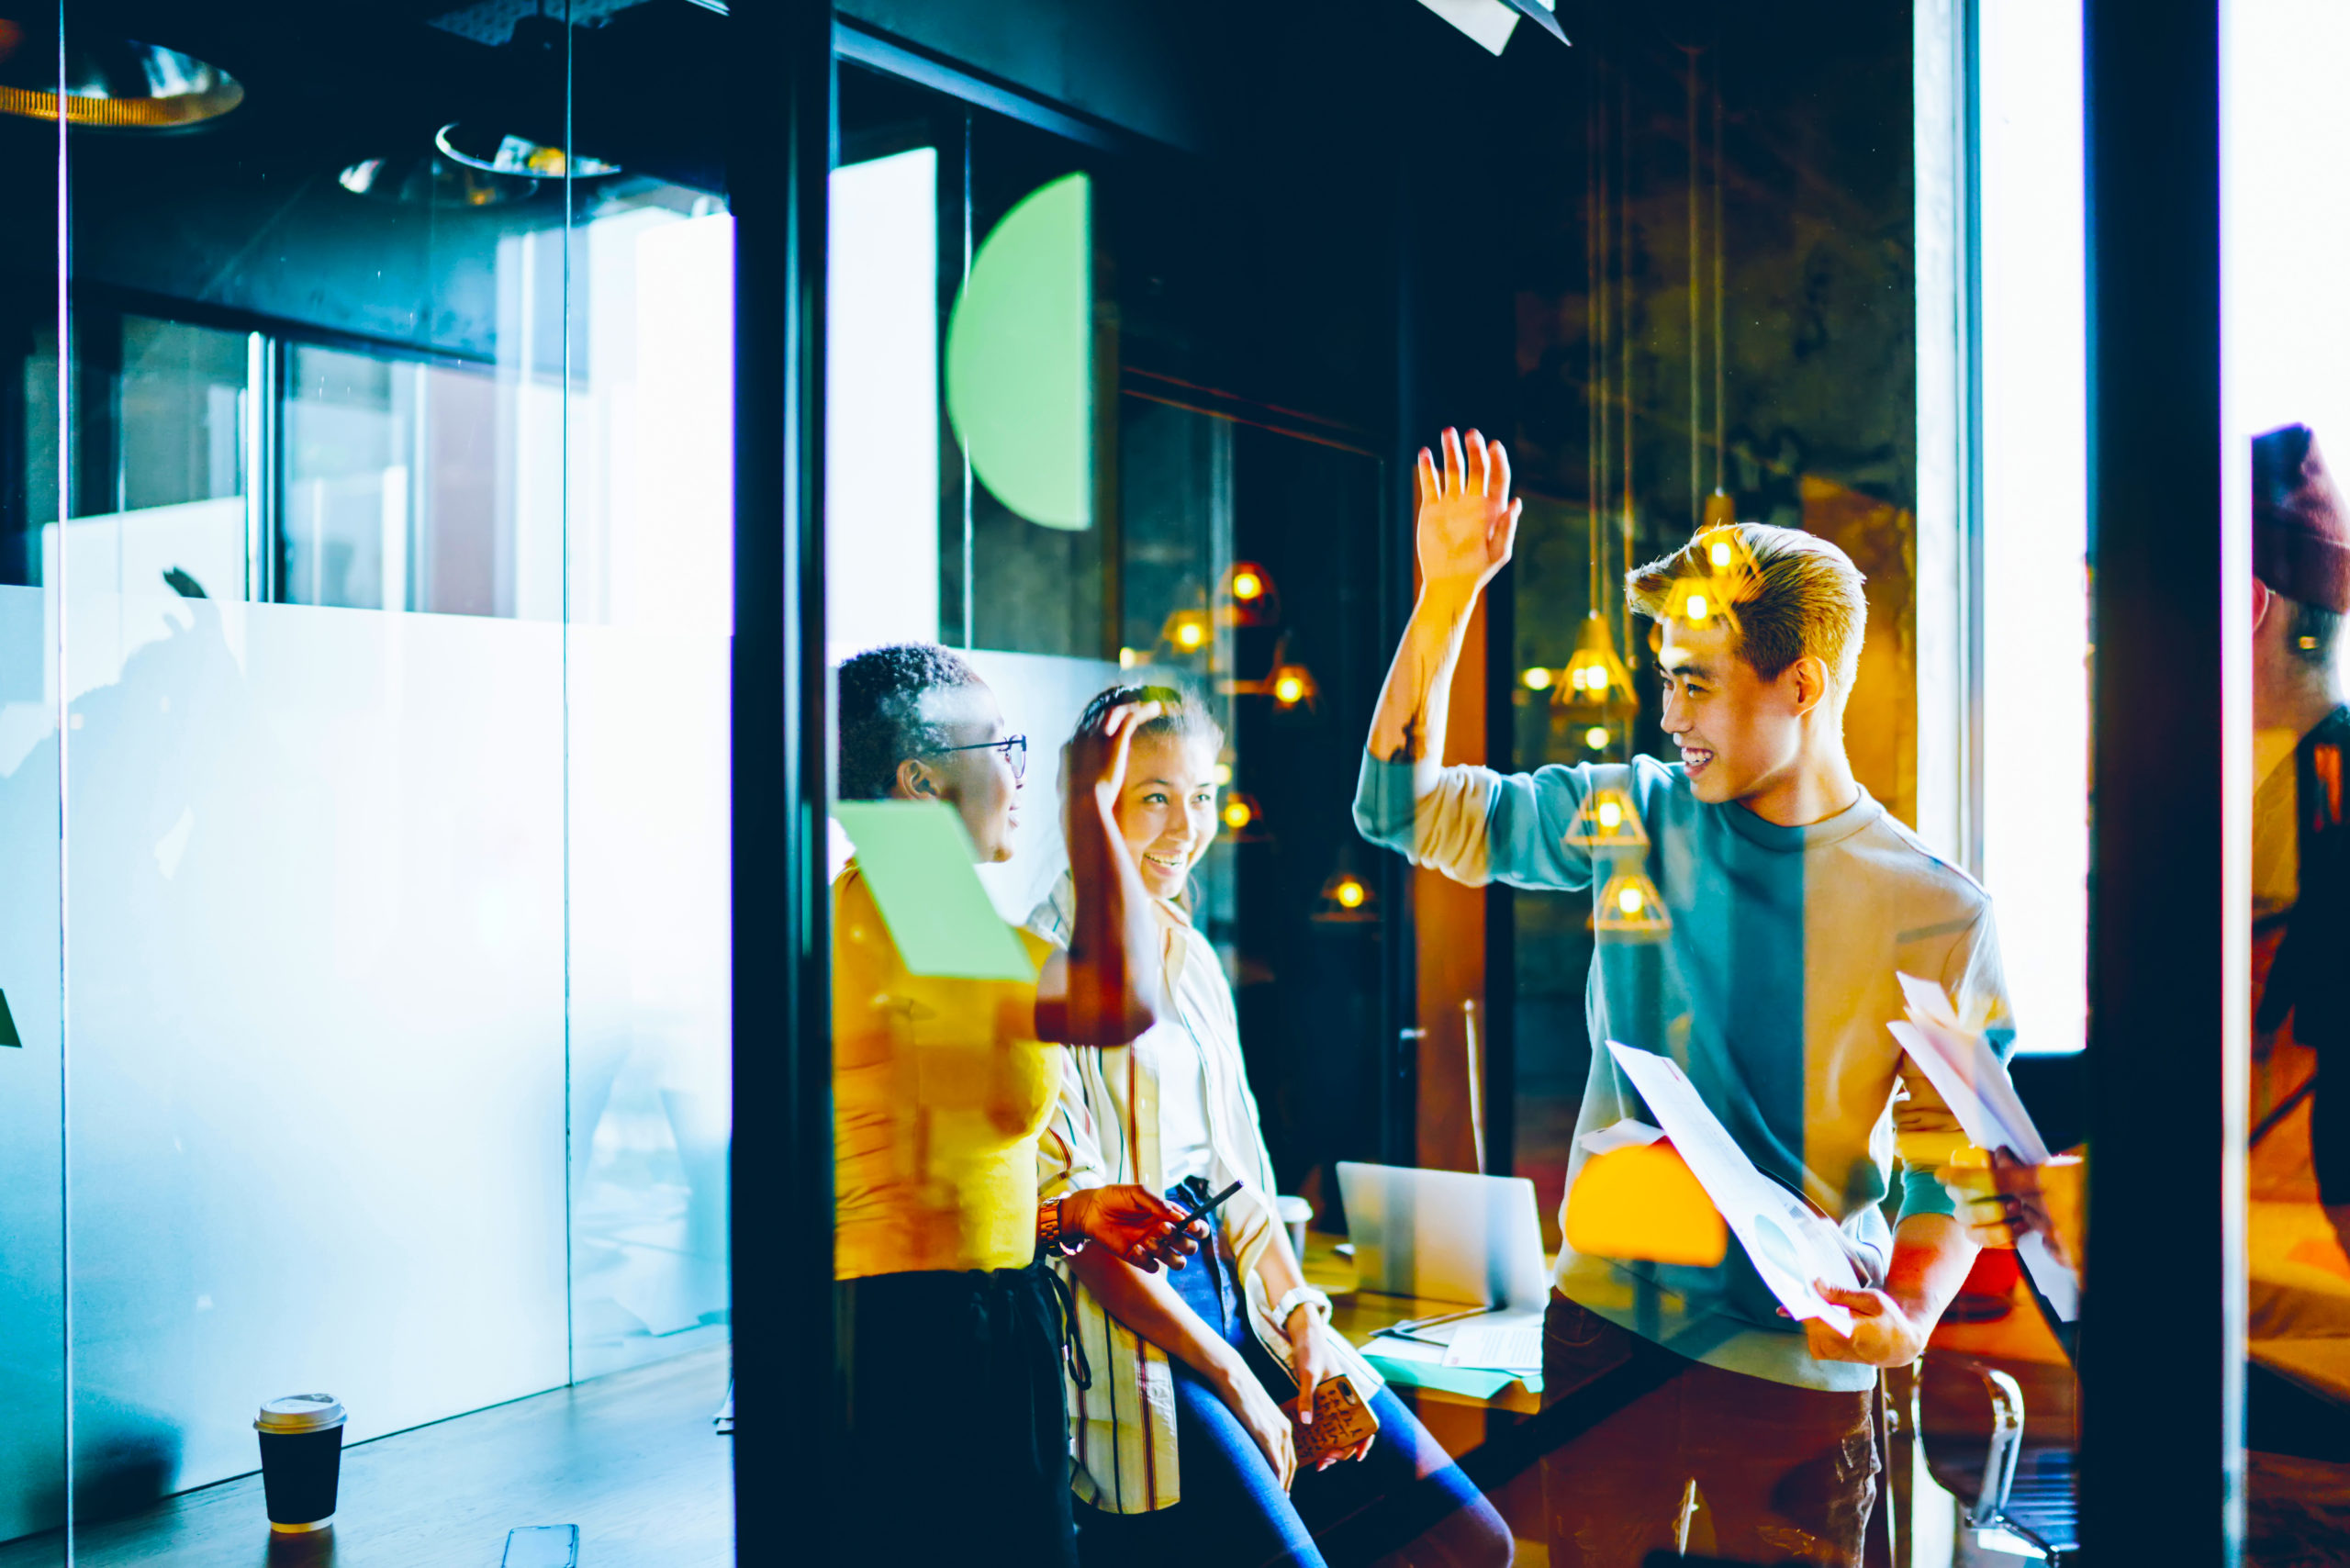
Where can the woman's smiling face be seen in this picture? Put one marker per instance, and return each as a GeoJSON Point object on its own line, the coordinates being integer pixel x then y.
{"type": "Point", "coordinates": [1167, 812]}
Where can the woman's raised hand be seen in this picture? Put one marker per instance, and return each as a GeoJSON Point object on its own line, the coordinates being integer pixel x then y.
{"type": "Point", "coordinates": [1097, 754]}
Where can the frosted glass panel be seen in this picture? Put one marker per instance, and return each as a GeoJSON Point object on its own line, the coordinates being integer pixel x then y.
{"type": "Point", "coordinates": [651, 533]}
{"type": "Point", "coordinates": [650, 1084]}
{"type": "Point", "coordinates": [32, 1318]}
{"type": "Point", "coordinates": [317, 981]}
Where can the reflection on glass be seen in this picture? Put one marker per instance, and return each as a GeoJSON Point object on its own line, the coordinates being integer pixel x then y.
{"type": "Point", "coordinates": [383, 563]}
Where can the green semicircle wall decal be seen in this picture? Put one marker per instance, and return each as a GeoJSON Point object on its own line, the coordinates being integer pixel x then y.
{"type": "Point", "coordinates": [1019, 357]}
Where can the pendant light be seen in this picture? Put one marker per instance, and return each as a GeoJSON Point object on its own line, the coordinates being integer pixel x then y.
{"type": "Point", "coordinates": [118, 84]}
{"type": "Point", "coordinates": [1629, 906]}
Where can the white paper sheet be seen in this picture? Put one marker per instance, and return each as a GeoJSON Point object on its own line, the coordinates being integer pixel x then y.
{"type": "Point", "coordinates": [1789, 1246]}
{"type": "Point", "coordinates": [1968, 1074]}
{"type": "Point", "coordinates": [1505, 1343]}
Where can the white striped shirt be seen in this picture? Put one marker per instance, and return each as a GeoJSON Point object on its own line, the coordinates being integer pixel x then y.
{"type": "Point", "coordinates": [1105, 1131]}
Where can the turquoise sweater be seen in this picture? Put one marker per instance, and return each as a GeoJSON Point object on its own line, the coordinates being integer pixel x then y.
{"type": "Point", "coordinates": [1760, 957]}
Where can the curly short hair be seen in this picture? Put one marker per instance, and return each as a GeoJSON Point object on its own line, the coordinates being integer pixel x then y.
{"type": "Point", "coordinates": [1798, 594]}
{"type": "Point", "coordinates": [881, 724]}
{"type": "Point", "coordinates": [1183, 714]}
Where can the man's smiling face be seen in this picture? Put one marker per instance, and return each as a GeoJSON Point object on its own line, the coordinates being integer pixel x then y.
{"type": "Point", "coordinates": [1738, 733]}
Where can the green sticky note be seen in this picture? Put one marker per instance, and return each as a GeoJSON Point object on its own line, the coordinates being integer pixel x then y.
{"type": "Point", "coordinates": [1470, 1382]}
{"type": "Point", "coordinates": [8, 1035]}
{"type": "Point", "coordinates": [917, 859]}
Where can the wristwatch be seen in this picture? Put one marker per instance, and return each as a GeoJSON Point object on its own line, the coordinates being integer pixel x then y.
{"type": "Point", "coordinates": [1301, 1295]}
{"type": "Point", "coordinates": [1050, 1238]}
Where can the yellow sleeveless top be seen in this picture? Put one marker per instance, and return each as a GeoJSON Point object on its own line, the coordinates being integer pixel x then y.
{"type": "Point", "coordinates": [939, 1090]}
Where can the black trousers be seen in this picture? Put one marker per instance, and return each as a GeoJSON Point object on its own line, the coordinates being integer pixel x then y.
{"type": "Point", "coordinates": [957, 1437]}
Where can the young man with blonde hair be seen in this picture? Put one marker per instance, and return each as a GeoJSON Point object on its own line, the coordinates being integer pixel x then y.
{"type": "Point", "coordinates": [1785, 903]}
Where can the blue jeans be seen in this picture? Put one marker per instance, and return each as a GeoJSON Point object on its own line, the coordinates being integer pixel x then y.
{"type": "Point", "coordinates": [1405, 1502]}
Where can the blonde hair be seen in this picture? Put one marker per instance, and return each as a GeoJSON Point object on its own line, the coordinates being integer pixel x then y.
{"type": "Point", "coordinates": [1785, 593]}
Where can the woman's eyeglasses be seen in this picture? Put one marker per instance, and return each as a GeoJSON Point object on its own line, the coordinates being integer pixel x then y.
{"type": "Point", "coordinates": [1015, 749]}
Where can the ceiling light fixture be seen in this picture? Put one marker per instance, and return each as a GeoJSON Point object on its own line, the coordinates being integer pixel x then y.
{"type": "Point", "coordinates": [509, 154]}
{"type": "Point", "coordinates": [428, 180]}
{"type": "Point", "coordinates": [111, 84]}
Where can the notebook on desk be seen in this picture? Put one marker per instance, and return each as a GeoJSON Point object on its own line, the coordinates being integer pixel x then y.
{"type": "Point", "coordinates": [1445, 1235]}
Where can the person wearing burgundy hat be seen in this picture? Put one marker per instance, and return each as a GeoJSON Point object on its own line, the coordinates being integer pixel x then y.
{"type": "Point", "coordinates": [2301, 593]}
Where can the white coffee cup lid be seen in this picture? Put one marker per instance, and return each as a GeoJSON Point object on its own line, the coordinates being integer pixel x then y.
{"type": "Point", "coordinates": [300, 1412]}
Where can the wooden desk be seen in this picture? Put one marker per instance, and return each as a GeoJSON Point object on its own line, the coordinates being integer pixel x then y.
{"type": "Point", "coordinates": [1357, 1313]}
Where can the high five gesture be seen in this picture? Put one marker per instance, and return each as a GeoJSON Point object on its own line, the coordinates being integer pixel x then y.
{"type": "Point", "coordinates": [1466, 527]}
{"type": "Point", "coordinates": [1467, 522]}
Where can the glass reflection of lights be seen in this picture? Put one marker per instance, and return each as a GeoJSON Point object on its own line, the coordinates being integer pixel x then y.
{"type": "Point", "coordinates": [1595, 737]}
{"type": "Point", "coordinates": [1245, 596]}
{"type": "Point", "coordinates": [1129, 657]}
{"type": "Point", "coordinates": [431, 180]}
{"type": "Point", "coordinates": [1221, 773]}
{"type": "Point", "coordinates": [1630, 906]}
{"type": "Point", "coordinates": [1718, 553]}
{"type": "Point", "coordinates": [1539, 678]}
{"type": "Point", "coordinates": [1243, 819]}
{"type": "Point", "coordinates": [110, 83]}
{"type": "Point", "coordinates": [1606, 820]}
{"type": "Point", "coordinates": [1596, 672]}
{"type": "Point", "coordinates": [1186, 631]}
{"type": "Point", "coordinates": [1292, 686]}
{"type": "Point", "coordinates": [1698, 610]}
{"type": "Point", "coordinates": [1347, 900]}
{"type": "Point", "coordinates": [504, 153]}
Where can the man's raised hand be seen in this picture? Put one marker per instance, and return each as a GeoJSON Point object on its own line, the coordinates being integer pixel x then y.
{"type": "Point", "coordinates": [1467, 522]}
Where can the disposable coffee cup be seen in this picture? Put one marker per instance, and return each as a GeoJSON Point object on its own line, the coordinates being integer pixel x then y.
{"type": "Point", "coordinates": [1295, 1212]}
{"type": "Point", "coordinates": [301, 1460]}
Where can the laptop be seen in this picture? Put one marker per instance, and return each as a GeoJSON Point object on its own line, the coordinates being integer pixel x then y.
{"type": "Point", "coordinates": [1445, 1235]}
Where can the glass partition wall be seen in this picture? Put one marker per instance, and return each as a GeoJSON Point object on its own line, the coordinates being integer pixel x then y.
{"type": "Point", "coordinates": [373, 534]}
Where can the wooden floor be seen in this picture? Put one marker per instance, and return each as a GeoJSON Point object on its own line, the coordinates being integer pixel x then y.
{"type": "Point", "coordinates": [630, 1459]}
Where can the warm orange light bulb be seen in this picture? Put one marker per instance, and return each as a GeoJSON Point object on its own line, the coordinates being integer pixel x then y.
{"type": "Point", "coordinates": [1611, 815]}
{"type": "Point", "coordinates": [1235, 815]}
{"type": "Point", "coordinates": [1697, 607]}
{"type": "Point", "coordinates": [1289, 689]}
{"type": "Point", "coordinates": [1538, 679]}
{"type": "Point", "coordinates": [1595, 738]}
{"type": "Point", "coordinates": [1350, 894]}
{"type": "Point", "coordinates": [1189, 634]}
{"type": "Point", "coordinates": [1720, 553]}
{"type": "Point", "coordinates": [1247, 585]}
{"type": "Point", "coordinates": [1629, 900]}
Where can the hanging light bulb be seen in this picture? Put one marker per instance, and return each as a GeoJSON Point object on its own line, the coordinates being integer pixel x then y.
{"type": "Point", "coordinates": [1597, 737]}
{"type": "Point", "coordinates": [1186, 631]}
{"type": "Point", "coordinates": [1538, 679]}
{"type": "Point", "coordinates": [1629, 905]}
{"type": "Point", "coordinates": [1243, 819]}
{"type": "Point", "coordinates": [1245, 596]}
{"type": "Point", "coordinates": [1595, 673]}
{"type": "Point", "coordinates": [1347, 900]}
{"type": "Point", "coordinates": [1293, 685]}
{"type": "Point", "coordinates": [1606, 821]}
